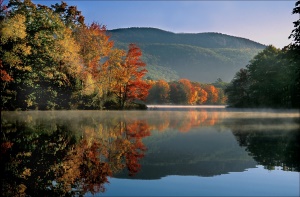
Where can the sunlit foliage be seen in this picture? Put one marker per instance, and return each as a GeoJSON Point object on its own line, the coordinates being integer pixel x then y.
{"type": "Point", "coordinates": [50, 59]}
{"type": "Point", "coordinates": [186, 92]}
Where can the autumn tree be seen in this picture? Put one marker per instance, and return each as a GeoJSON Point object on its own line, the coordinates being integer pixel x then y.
{"type": "Point", "coordinates": [95, 49]}
{"type": "Point", "coordinates": [14, 49]}
{"type": "Point", "coordinates": [41, 56]}
{"type": "Point", "coordinates": [128, 85]}
{"type": "Point", "coordinates": [69, 15]}
{"type": "Point", "coordinates": [50, 59]}
{"type": "Point", "coordinates": [212, 93]}
{"type": "Point", "coordinates": [159, 92]}
{"type": "Point", "coordinates": [190, 91]}
{"type": "Point", "coordinates": [201, 94]}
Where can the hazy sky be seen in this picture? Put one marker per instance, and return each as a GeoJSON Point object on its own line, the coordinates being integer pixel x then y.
{"type": "Point", "coordinates": [267, 22]}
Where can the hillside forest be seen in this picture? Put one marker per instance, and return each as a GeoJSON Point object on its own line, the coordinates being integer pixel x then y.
{"type": "Point", "coordinates": [51, 59]}
{"type": "Point", "coordinates": [201, 57]}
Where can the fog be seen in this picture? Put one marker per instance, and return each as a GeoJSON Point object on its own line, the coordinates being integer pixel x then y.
{"type": "Point", "coordinates": [166, 118]}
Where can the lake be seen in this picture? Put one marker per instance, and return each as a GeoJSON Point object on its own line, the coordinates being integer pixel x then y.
{"type": "Point", "coordinates": [158, 152]}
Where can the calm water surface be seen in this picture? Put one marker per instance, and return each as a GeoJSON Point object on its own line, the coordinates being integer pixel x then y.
{"type": "Point", "coordinates": [191, 152]}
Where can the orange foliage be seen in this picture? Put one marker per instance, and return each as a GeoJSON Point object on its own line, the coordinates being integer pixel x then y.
{"type": "Point", "coordinates": [94, 44]}
{"type": "Point", "coordinates": [190, 90]}
{"type": "Point", "coordinates": [212, 93]}
{"type": "Point", "coordinates": [5, 146]}
{"type": "Point", "coordinates": [129, 84]}
{"type": "Point", "coordinates": [5, 77]}
{"type": "Point", "coordinates": [136, 131]}
{"type": "Point", "coordinates": [200, 94]}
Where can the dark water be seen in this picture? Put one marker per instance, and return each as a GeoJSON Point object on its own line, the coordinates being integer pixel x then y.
{"type": "Point", "coordinates": [150, 153]}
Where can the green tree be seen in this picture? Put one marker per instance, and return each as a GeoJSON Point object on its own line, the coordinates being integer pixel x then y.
{"type": "Point", "coordinates": [294, 56]}
{"type": "Point", "coordinates": [270, 80]}
{"type": "Point", "coordinates": [159, 93]}
{"type": "Point", "coordinates": [238, 89]}
{"type": "Point", "coordinates": [296, 32]}
{"type": "Point", "coordinates": [265, 72]}
{"type": "Point", "coordinates": [178, 94]}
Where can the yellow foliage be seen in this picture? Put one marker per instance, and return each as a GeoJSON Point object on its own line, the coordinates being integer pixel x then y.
{"type": "Point", "coordinates": [26, 173]}
{"type": "Point", "coordinates": [13, 28]}
{"type": "Point", "coordinates": [11, 58]}
{"type": "Point", "coordinates": [69, 52]}
{"type": "Point", "coordinates": [89, 85]}
{"type": "Point", "coordinates": [22, 49]}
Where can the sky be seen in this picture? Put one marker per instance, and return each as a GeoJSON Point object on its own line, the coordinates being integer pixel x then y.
{"type": "Point", "coordinates": [267, 22]}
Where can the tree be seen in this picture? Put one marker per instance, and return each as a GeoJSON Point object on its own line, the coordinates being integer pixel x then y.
{"type": "Point", "coordinates": [128, 85]}
{"type": "Point", "coordinates": [69, 15]}
{"type": "Point", "coordinates": [221, 86]}
{"type": "Point", "coordinates": [201, 94]}
{"type": "Point", "coordinates": [264, 70]}
{"type": "Point", "coordinates": [51, 60]}
{"type": "Point", "coordinates": [178, 95]}
{"type": "Point", "coordinates": [42, 57]}
{"type": "Point", "coordinates": [294, 56]}
{"type": "Point", "coordinates": [190, 91]}
{"type": "Point", "coordinates": [14, 49]}
{"type": "Point", "coordinates": [296, 32]}
{"type": "Point", "coordinates": [95, 50]}
{"type": "Point", "coordinates": [266, 82]}
{"type": "Point", "coordinates": [159, 92]}
{"type": "Point", "coordinates": [238, 89]}
{"type": "Point", "coordinates": [212, 94]}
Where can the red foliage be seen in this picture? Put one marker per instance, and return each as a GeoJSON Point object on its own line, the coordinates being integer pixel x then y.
{"type": "Point", "coordinates": [136, 131]}
{"type": "Point", "coordinates": [5, 77]}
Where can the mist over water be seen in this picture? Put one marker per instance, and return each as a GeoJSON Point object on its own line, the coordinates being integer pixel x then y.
{"type": "Point", "coordinates": [159, 146]}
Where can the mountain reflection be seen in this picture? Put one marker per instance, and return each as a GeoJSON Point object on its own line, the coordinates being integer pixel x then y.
{"type": "Point", "coordinates": [43, 154]}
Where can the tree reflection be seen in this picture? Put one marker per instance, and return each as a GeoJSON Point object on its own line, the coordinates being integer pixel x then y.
{"type": "Point", "coordinates": [269, 147]}
{"type": "Point", "coordinates": [184, 122]}
{"type": "Point", "coordinates": [51, 157]}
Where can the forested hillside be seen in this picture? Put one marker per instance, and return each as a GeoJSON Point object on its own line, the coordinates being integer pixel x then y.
{"type": "Point", "coordinates": [199, 57]}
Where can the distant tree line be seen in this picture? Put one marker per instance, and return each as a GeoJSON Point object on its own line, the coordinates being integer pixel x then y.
{"type": "Point", "coordinates": [186, 92]}
{"type": "Point", "coordinates": [51, 59]}
{"type": "Point", "coordinates": [272, 78]}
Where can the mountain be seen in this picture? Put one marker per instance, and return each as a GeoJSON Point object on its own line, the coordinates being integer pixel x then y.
{"type": "Point", "coordinates": [204, 151]}
{"type": "Point", "coordinates": [202, 57]}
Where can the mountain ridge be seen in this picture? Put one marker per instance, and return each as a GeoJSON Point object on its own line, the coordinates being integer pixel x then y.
{"type": "Point", "coordinates": [202, 57]}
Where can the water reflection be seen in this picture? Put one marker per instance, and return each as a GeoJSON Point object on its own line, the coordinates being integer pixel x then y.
{"type": "Point", "coordinates": [181, 121]}
{"type": "Point", "coordinates": [272, 142]}
{"type": "Point", "coordinates": [51, 154]}
{"type": "Point", "coordinates": [69, 153]}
